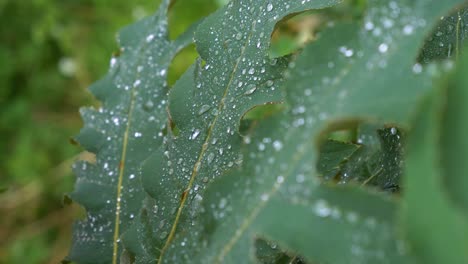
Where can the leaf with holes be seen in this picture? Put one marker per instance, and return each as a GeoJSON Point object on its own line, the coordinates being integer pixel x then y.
{"type": "Point", "coordinates": [206, 106]}
{"type": "Point", "coordinates": [276, 195]}
{"type": "Point", "coordinates": [204, 172]}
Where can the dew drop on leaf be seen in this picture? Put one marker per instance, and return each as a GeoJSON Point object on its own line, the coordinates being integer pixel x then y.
{"type": "Point", "coordinates": [203, 109]}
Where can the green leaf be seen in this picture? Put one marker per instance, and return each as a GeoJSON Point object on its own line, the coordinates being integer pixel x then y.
{"type": "Point", "coordinates": [122, 133]}
{"type": "Point", "coordinates": [454, 144]}
{"type": "Point", "coordinates": [277, 197]}
{"type": "Point", "coordinates": [332, 156]}
{"type": "Point", "coordinates": [350, 74]}
{"type": "Point", "coordinates": [435, 229]}
{"type": "Point", "coordinates": [448, 38]}
{"type": "Point", "coordinates": [378, 162]}
{"type": "Point", "coordinates": [206, 106]}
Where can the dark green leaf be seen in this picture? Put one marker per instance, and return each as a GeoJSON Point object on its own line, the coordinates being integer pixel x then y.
{"type": "Point", "coordinates": [234, 75]}
{"type": "Point", "coordinates": [448, 38]}
{"type": "Point", "coordinates": [122, 133]}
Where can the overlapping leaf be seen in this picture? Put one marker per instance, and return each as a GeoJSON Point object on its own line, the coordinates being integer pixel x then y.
{"type": "Point", "coordinates": [436, 230]}
{"type": "Point", "coordinates": [122, 133]}
{"type": "Point", "coordinates": [351, 74]}
{"type": "Point", "coordinates": [206, 106]}
{"type": "Point", "coordinates": [454, 145]}
{"type": "Point", "coordinates": [270, 192]}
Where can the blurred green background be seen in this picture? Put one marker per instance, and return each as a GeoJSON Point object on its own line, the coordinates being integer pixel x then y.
{"type": "Point", "coordinates": [50, 52]}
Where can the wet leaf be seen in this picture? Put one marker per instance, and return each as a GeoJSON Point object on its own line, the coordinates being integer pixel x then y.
{"type": "Point", "coordinates": [277, 194]}
{"type": "Point", "coordinates": [233, 75]}
{"type": "Point", "coordinates": [333, 155]}
{"type": "Point", "coordinates": [211, 194]}
{"type": "Point", "coordinates": [431, 220]}
{"type": "Point", "coordinates": [122, 133]}
{"type": "Point", "coordinates": [448, 38]}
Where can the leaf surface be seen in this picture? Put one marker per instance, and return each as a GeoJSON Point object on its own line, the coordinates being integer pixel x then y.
{"type": "Point", "coordinates": [454, 144]}
{"type": "Point", "coordinates": [448, 38]}
{"type": "Point", "coordinates": [122, 133]}
{"type": "Point", "coordinates": [233, 75]}
{"type": "Point", "coordinates": [277, 195]}
{"type": "Point", "coordinates": [436, 230]}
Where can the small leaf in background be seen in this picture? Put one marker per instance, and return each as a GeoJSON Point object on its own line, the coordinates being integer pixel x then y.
{"type": "Point", "coordinates": [448, 38]}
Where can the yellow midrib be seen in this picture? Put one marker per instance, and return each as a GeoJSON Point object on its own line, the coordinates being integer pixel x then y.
{"type": "Point", "coordinates": [202, 152]}
{"type": "Point", "coordinates": [120, 180]}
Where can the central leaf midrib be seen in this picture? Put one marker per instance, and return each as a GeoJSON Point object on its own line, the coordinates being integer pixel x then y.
{"type": "Point", "coordinates": [256, 210]}
{"type": "Point", "coordinates": [197, 164]}
{"type": "Point", "coordinates": [123, 157]}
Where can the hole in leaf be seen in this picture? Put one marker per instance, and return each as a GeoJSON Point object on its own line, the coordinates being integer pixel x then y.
{"type": "Point", "coordinates": [366, 154]}
{"type": "Point", "coordinates": [180, 63]}
{"type": "Point", "coordinates": [269, 253]}
{"type": "Point", "coordinates": [294, 31]}
{"type": "Point", "coordinates": [258, 113]}
{"type": "Point", "coordinates": [191, 13]}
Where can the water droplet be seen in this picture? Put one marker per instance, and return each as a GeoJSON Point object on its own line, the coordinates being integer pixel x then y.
{"type": "Point", "coordinates": [345, 51]}
{"type": "Point", "coordinates": [132, 176]}
{"type": "Point", "coordinates": [383, 48]}
{"type": "Point", "coordinates": [222, 203]}
{"type": "Point", "coordinates": [269, 7]}
{"type": "Point", "coordinates": [113, 62]}
{"type": "Point", "coordinates": [148, 105]}
{"type": "Point", "coordinates": [138, 134]}
{"type": "Point", "coordinates": [277, 145]}
{"type": "Point", "coordinates": [136, 83]}
{"type": "Point", "coordinates": [210, 157]}
{"type": "Point", "coordinates": [369, 25]}
{"type": "Point", "coordinates": [261, 146]}
{"type": "Point", "coordinates": [393, 130]}
{"type": "Point", "coordinates": [251, 89]}
{"type": "Point", "coordinates": [352, 217]}
{"type": "Point", "coordinates": [408, 29]}
{"type": "Point", "coordinates": [149, 38]}
{"type": "Point", "coordinates": [300, 178]}
{"type": "Point", "coordinates": [239, 36]}
{"type": "Point", "coordinates": [163, 235]}
{"type": "Point", "coordinates": [280, 179]}
{"type": "Point", "coordinates": [322, 208]}
{"type": "Point", "coordinates": [195, 134]}
{"type": "Point", "coordinates": [203, 109]}
{"type": "Point", "coordinates": [417, 68]}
